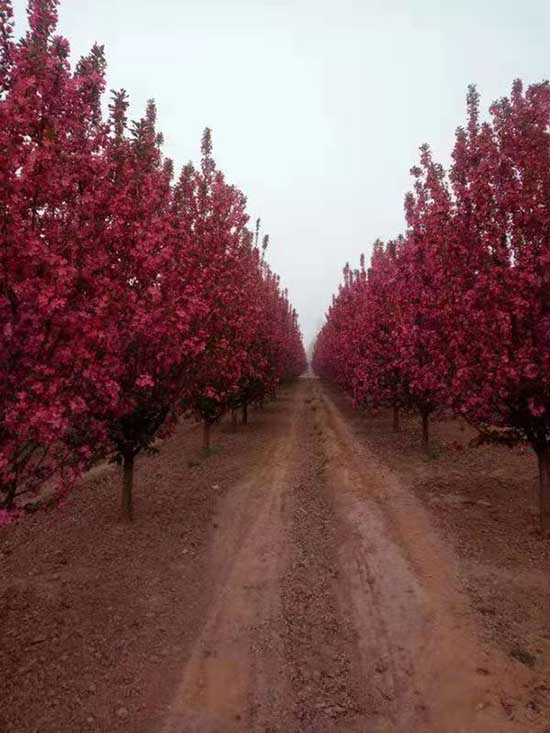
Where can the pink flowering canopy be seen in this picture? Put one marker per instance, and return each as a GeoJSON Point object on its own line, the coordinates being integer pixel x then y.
{"type": "Point", "coordinates": [455, 315]}
{"type": "Point", "coordinates": [126, 298]}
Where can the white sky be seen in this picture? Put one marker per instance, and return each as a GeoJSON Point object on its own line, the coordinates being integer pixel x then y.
{"type": "Point", "coordinates": [317, 106]}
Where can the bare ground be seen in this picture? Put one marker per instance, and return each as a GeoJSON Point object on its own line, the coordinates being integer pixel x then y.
{"type": "Point", "coordinates": [310, 575]}
{"type": "Point", "coordinates": [483, 503]}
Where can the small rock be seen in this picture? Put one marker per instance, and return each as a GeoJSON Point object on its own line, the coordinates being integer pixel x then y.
{"type": "Point", "coordinates": [122, 713]}
{"type": "Point", "coordinates": [523, 656]}
{"type": "Point", "coordinates": [92, 687]}
{"type": "Point", "coordinates": [487, 610]}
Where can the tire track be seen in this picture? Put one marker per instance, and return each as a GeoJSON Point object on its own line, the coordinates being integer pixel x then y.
{"type": "Point", "coordinates": [336, 608]}
{"type": "Point", "coordinates": [419, 654]}
{"type": "Point", "coordinates": [320, 641]}
{"type": "Point", "coordinates": [233, 680]}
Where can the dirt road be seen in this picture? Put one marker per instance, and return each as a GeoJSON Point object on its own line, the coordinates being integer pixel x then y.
{"type": "Point", "coordinates": [290, 583]}
{"type": "Point", "coordinates": [336, 608]}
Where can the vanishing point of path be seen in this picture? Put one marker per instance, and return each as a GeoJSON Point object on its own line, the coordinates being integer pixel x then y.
{"type": "Point", "coordinates": [334, 606]}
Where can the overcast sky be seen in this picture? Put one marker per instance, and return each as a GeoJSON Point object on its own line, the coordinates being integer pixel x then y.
{"type": "Point", "coordinates": [317, 106]}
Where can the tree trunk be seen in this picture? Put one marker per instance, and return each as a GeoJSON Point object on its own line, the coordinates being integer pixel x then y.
{"type": "Point", "coordinates": [425, 430]}
{"type": "Point", "coordinates": [543, 456]}
{"type": "Point", "coordinates": [127, 486]}
{"type": "Point", "coordinates": [396, 418]}
{"type": "Point", "coordinates": [245, 414]}
{"type": "Point", "coordinates": [206, 435]}
{"type": "Point", "coordinates": [9, 496]}
{"type": "Point", "coordinates": [234, 420]}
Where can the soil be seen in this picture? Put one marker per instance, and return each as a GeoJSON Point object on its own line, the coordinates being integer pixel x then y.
{"type": "Point", "coordinates": [313, 572]}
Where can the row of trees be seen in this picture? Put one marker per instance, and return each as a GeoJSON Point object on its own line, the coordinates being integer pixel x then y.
{"type": "Point", "coordinates": [455, 314]}
{"type": "Point", "coordinates": [127, 298]}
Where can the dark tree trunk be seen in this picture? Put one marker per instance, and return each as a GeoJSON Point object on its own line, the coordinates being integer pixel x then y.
{"type": "Point", "coordinates": [396, 418]}
{"type": "Point", "coordinates": [245, 414]}
{"type": "Point", "coordinates": [234, 420]}
{"type": "Point", "coordinates": [9, 496]}
{"type": "Point", "coordinates": [127, 486]}
{"type": "Point", "coordinates": [206, 435]}
{"type": "Point", "coordinates": [543, 456]}
{"type": "Point", "coordinates": [425, 430]}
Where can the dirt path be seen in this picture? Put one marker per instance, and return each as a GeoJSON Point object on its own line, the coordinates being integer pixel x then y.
{"type": "Point", "coordinates": [290, 582]}
{"type": "Point", "coordinates": [336, 607]}
{"type": "Point", "coordinates": [233, 676]}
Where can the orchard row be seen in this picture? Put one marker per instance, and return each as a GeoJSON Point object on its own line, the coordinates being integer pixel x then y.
{"type": "Point", "coordinates": [455, 314]}
{"type": "Point", "coordinates": [127, 297]}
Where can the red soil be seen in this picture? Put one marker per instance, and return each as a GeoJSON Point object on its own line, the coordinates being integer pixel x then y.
{"type": "Point", "coordinates": [315, 573]}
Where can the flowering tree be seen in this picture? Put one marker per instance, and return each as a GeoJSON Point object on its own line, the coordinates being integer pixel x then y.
{"type": "Point", "coordinates": [275, 354]}
{"type": "Point", "coordinates": [378, 376]}
{"type": "Point", "coordinates": [52, 403]}
{"type": "Point", "coordinates": [422, 274]}
{"type": "Point", "coordinates": [154, 309]}
{"type": "Point", "coordinates": [248, 324]}
{"type": "Point", "coordinates": [463, 311]}
{"type": "Point", "coordinates": [501, 182]}
{"type": "Point", "coordinates": [338, 349]}
{"type": "Point", "coordinates": [211, 216]}
{"type": "Point", "coordinates": [125, 300]}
